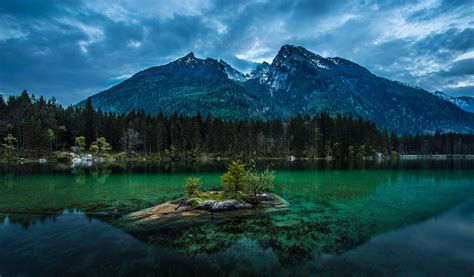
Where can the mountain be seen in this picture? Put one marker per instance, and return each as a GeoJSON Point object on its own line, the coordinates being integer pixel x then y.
{"type": "Point", "coordinates": [187, 85]}
{"type": "Point", "coordinates": [301, 81]}
{"type": "Point", "coordinates": [297, 81]}
{"type": "Point", "coordinates": [464, 102]}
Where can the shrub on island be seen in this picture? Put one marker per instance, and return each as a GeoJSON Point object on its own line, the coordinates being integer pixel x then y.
{"type": "Point", "coordinates": [192, 186]}
{"type": "Point", "coordinates": [243, 186]}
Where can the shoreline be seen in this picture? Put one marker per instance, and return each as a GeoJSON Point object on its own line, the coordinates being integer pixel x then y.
{"type": "Point", "coordinates": [112, 159]}
{"type": "Point", "coordinates": [436, 157]}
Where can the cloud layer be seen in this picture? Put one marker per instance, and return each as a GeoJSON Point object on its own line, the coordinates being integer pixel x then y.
{"type": "Point", "coordinates": [71, 49]}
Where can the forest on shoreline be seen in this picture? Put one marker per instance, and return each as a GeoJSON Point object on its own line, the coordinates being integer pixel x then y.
{"type": "Point", "coordinates": [34, 127]}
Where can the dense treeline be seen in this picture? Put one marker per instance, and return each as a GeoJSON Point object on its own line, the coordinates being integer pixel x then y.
{"type": "Point", "coordinates": [38, 126]}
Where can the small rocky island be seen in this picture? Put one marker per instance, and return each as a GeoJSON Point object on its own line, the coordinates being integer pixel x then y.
{"type": "Point", "coordinates": [244, 191]}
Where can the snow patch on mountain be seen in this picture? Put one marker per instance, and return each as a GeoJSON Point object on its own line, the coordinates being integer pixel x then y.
{"type": "Point", "coordinates": [464, 102]}
{"type": "Point", "coordinates": [334, 60]}
{"type": "Point", "coordinates": [233, 73]}
{"type": "Point", "coordinates": [318, 63]}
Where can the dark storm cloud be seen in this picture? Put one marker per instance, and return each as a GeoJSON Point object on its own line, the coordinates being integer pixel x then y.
{"type": "Point", "coordinates": [452, 39]}
{"type": "Point", "coordinates": [460, 68]}
{"type": "Point", "coordinates": [72, 49]}
{"type": "Point", "coordinates": [25, 9]}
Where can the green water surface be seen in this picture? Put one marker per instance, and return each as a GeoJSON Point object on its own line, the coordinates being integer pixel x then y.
{"type": "Point", "coordinates": [343, 219]}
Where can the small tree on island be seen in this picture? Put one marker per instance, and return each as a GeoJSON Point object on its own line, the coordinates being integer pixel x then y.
{"type": "Point", "coordinates": [192, 186]}
{"type": "Point", "coordinates": [235, 178]}
{"type": "Point", "coordinates": [240, 182]}
{"type": "Point", "coordinates": [258, 182]}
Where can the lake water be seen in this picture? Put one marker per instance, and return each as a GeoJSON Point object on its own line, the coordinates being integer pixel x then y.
{"type": "Point", "coordinates": [403, 218]}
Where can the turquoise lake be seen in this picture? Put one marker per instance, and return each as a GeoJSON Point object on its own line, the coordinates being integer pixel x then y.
{"type": "Point", "coordinates": [389, 218]}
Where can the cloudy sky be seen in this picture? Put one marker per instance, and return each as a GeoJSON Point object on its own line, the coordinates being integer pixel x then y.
{"type": "Point", "coordinates": [71, 49]}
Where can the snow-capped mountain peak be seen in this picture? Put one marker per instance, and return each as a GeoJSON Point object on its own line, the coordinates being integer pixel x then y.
{"type": "Point", "coordinates": [290, 55]}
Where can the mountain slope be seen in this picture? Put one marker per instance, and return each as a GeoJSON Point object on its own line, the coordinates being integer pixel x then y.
{"type": "Point", "coordinates": [297, 81]}
{"type": "Point", "coordinates": [464, 102]}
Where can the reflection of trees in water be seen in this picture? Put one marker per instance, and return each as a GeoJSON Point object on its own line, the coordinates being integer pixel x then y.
{"type": "Point", "coordinates": [213, 166]}
{"type": "Point", "coordinates": [28, 219]}
{"type": "Point", "coordinates": [100, 175]}
{"type": "Point", "coordinates": [9, 180]}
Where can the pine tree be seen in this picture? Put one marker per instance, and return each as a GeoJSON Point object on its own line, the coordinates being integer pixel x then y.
{"type": "Point", "coordinates": [234, 180]}
{"type": "Point", "coordinates": [89, 121]}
